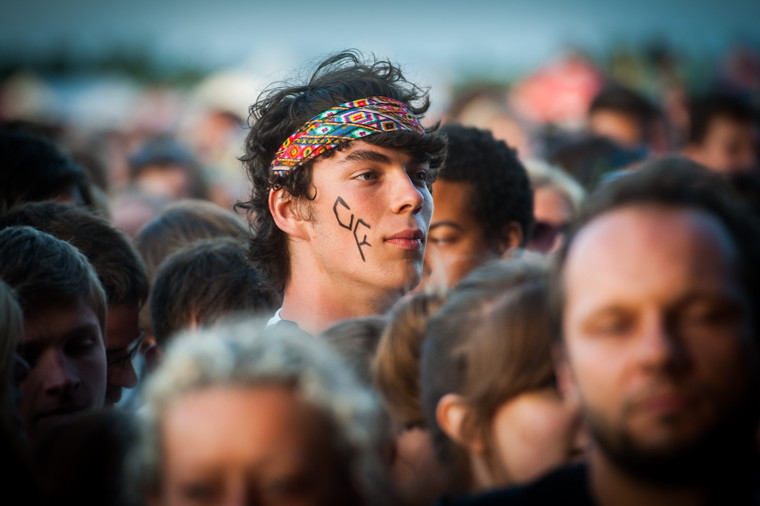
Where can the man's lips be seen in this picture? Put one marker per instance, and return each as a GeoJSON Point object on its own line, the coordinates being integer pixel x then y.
{"type": "Point", "coordinates": [664, 403]}
{"type": "Point", "coordinates": [407, 239]}
{"type": "Point", "coordinates": [59, 412]}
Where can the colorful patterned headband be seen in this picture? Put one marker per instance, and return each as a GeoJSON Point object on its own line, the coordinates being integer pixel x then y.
{"type": "Point", "coordinates": [346, 122]}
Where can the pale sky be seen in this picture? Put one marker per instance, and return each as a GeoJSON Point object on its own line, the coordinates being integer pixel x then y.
{"type": "Point", "coordinates": [473, 34]}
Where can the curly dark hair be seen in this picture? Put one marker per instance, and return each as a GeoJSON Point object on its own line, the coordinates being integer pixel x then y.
{"type": "Point", "coordinates": [282, 109]}
{"type": "Point", "coordinates": [501, 191]}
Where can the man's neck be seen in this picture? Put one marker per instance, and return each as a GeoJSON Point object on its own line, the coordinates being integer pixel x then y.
{"type": "Point", "coordinates": [611, 485]}
{"type": "Point", "coordinates": [314, 304]}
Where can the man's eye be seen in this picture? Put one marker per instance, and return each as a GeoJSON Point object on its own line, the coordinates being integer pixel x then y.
{"type": "Point", "coordinates": [80, 345]}
{"type": "Point", "coordinates": [709, 315]}
{"type": "Point", "coordinates": [421, 176]}
{"type": "Point", "coordinates": [610, 327]}
{"type": "Point", "coordinates": [117, 357]}
{"type": "Point", "coordinates": [440, 241]}
{"type": "Point", "coordinates": [366, 176]}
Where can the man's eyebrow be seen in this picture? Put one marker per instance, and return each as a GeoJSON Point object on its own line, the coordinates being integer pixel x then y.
{"type": "Point", "coordinates": [445, 223]}
{"type": "Point", "coordinates": [367, 156]}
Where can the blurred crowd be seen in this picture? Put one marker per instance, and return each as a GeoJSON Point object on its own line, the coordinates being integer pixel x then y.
{"type": "Point", "coordinates": [537, 292]}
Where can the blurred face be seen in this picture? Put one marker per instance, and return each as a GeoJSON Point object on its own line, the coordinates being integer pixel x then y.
{"type": "Point", "coordinates": [621, 128]}
{"type": "Point", "coordinates": [657, 331]}
{"type": "Point", "coordinates": [64, 348]}
{"type": "Point", "coordinates": [262, 446]}
{"type": "Point", "coordinates": [369, 220]}
{"type": "Point", "coordinates": [553, 214]}
{"type": "Point", "coordinates": [122, 341]}
{"type": "Point", "coordinates": [457, 242]}
{"type": "Point", "coordinates": [171, 181]}
{"type": "Point", "coordinates": [729, 146]}
{"type": "Point", "coordinates": [535, 432]}
{"type": "Point", "coordinates": [418, 476]}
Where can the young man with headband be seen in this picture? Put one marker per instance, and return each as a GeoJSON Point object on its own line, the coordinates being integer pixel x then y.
{"type": "Point", "coordinates": [341, 170]}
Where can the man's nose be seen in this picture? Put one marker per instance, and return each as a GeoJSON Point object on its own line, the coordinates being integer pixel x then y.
{"type": "Point", "coordinates": [408, 196]}
{"type": "Point", "coordinates": [60, 374]}
{"type": "Point", "coordinates": [659, 346]}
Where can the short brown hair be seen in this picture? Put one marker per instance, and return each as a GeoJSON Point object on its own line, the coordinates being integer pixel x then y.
{"type": "Point", "coordinates": [229, 284]}
{"type": "Point", "coordinates": [178, 225]}
{"type": "Point", "coordinates": [45, 271]}
{"type": "Point", "coordinates": [111, 253]}
{"type": "Point", "coordinates": [356, 340]}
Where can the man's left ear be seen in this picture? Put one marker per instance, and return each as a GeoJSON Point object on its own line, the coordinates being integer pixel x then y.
{"type": "Point", "coordinates": [511, 237]}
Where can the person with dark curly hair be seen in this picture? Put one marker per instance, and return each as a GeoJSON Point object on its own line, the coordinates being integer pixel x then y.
{"type": "Point", "coordinates": [341, 170]}
{"type": "Point", "coordinates": [483, 206]}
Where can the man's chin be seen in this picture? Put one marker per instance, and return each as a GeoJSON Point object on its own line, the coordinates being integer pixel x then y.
{"type": "Point", "coordinates": [42, 423]}
{"type": "Point", "coordinates": [673, 457]}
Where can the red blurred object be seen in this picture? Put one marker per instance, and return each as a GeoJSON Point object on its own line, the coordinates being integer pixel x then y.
{"type": "Point", "coordinates": [559, 92]}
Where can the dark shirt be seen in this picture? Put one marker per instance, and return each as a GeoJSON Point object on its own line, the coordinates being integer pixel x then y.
{"type": "Point", "coordinates": [567, 486]}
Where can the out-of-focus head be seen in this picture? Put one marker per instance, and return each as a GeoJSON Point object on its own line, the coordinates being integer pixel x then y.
{"type": "Point", "coordinates": [182, 223]}
{"type": "Point", "coordinates": [13, 369]}
{"type": "Point", "coordinates": [415, 471]}
{"type": "Point", "coordinates": [590, 159]}
{"type": "Point", "coordinates": [488, 383]}
{"type": "Point", "coordinates": [356, 340]}
{"type": "Point", "coordinates": [64, 324]}
{"type": "Point", "coordinates": [32, 168]}
{"type": "Point", "coordinates": [557, 198]}
{"type": "Point", "coordinates": [230, 285]}
{"type": "Point", "coordinates": [177, 226]}
{"type": "Point", "coordinates": [487, 107]}
{"type": "Point", "coordinates": [280, 112]}
{"type": "Point", "coordinates": [624, 116]}
{"type": "Point", "coordinates": [723, 134]}
{"type": "Point", "coordinates": [131, 210]}
{"type": "Point", "coordinates": [119, 268]}
{"type": "Point", "coordinates": [167, 169]}
{"type": "Point", "coordinates": [656, 295]}
{"type": "Point", "coordinates": [396, 367]}
{"type": "Point", "coordinates": [291, 423]}
{"type": "Point", "coordinates": [483, 206]}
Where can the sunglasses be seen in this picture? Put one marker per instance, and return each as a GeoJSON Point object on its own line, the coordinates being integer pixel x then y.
{"type": "Point", "coordinates": [545, 235]}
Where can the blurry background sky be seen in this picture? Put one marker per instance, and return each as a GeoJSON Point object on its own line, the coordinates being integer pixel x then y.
{"type": "Point", "coordinates": [104, 77]}
{"type": "Point", "coordinates": [486, 37]}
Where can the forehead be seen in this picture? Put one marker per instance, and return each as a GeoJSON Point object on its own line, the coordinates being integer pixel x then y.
{"type": "Point", "coordinates": [251, 423]}
{"type": "Point", "coordinates": [453, 201]}
{"type": "Point", "coordinates": [633, 249]}
{"type": "Point", "coordinates": [56, 322]}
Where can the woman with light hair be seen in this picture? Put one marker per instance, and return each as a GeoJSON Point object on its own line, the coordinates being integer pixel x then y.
{"type": "Point", "coordinates": [557, 199]}
{"type": "Point", "coordinates": [240, 415]}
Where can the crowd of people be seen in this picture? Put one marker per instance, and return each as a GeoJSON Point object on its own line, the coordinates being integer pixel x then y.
{"type": "Point", "coordinates": [465, 310]}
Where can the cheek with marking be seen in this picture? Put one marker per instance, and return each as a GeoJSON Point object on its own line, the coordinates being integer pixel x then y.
{"type": "Point", "coordinates": [357, 226]}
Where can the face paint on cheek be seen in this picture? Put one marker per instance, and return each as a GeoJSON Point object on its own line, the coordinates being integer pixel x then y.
{"type": "Point", "coordinates": [364, 240]}
{"type": "Point", "coordinates": [340, 209]}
